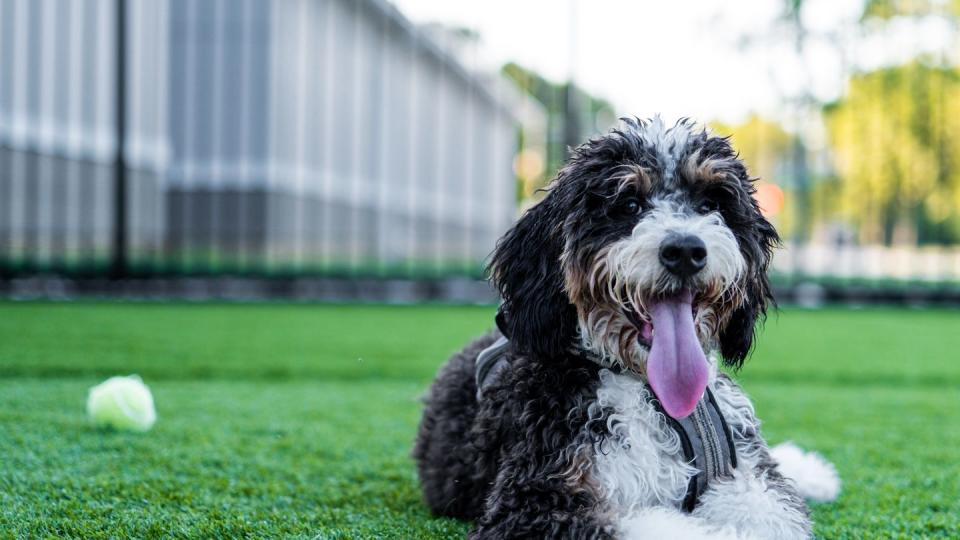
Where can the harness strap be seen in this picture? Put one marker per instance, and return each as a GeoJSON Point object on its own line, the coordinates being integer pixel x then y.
{"type": "Point", "coordinates": [491, 362]}
{"type": "Point", "coordinates": [707, 445]}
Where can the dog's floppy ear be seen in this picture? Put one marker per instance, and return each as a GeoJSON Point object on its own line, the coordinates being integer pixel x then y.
{"type": "Point", "coordinates": [736, 339]}
{"type": "Point", "coordinates": [536, 314]}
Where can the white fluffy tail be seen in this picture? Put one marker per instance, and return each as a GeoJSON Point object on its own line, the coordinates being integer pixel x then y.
{"type": "Point", "coordinates": [815, 477]}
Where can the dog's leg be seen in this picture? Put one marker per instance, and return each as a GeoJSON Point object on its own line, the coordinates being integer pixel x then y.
{"type": "Point", "coordinates": [762, 505]}
{"type": "Point", "coordinates": [758, 500]}
{"type": "Point", "coordinates": [537, 498]}
{"type": "Point", "coordinates": [455, 470]}
{"type": "Point", "coordinates": [659, 523]}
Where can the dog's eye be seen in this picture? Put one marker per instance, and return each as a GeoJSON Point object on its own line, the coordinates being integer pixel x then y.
{"type": "Point", "coordinates": [631, 206]}
{"type": "Point", "coordinates": [625, 207]}
{"type": "Point", "coordinates": [707, 206]}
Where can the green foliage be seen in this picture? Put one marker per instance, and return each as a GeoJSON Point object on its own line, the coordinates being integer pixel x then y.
{"type": "Point", "coordinates": [297, 421]}
{"type": "Point", "coordinates": [896, 139]}
{"type": "Point", "coordinates": [889, 9]}
{"type": "Point", "coordinates": [893, 140]}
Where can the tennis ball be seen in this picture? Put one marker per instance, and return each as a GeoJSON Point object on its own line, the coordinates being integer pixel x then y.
{"type": "Point", "coordinates": [122, 403]}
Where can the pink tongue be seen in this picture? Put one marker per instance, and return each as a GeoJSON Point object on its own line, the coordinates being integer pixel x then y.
{"type": "Point", "coordinates": [676, 367]}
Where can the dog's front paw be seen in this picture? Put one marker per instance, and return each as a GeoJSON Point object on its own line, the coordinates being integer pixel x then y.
{"type": "Point", "coordinates": [660, 522]}
{"type": "Point", "coordinates": [753, 508]}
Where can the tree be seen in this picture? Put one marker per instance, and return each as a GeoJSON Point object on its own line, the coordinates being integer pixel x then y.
{"type": "Point", "coordinates": [896, 141]}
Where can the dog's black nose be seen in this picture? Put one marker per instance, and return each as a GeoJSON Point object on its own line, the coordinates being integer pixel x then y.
{"type": "Point", "coordinates": [683, 255]}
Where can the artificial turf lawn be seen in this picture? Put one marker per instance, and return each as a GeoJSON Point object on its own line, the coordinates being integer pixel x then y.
{"type": "Point", "coordinates": [285, 421]}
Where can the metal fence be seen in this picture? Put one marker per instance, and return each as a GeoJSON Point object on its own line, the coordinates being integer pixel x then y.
{"type": "Point", "coordinates": [244, 136]}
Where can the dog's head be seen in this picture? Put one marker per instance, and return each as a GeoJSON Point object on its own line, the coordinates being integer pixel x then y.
{"type": "Point", "coordinates": [648, 251]}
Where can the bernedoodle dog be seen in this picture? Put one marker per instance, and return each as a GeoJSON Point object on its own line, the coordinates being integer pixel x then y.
{"type": "Point", "coordinates": [597, 409]}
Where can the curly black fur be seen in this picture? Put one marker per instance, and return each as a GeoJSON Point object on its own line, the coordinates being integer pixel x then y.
{"type": "Point", "coordinates": [503, 462]}
{"type": "Point", "coordinates": [455, 466]}
{"type": "Point", "coordinates": [537, 313]}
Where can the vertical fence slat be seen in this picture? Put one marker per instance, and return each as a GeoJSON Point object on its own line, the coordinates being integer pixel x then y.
{"type": "Point", "coordinates": [18, 128]}
{"type": "Point", "coordinates": [6, 146]}
{"type": "Point", "coordinates": [218, 254]}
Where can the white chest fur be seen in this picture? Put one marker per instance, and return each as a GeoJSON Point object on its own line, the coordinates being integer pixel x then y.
{"type": "Point", "coordinates": [640, 463]}
{"type": "Point", "coordinates": [640, 469]}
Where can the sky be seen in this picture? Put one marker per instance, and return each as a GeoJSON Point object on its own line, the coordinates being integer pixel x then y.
{"type": "Point", "coordinates": [704, 59]}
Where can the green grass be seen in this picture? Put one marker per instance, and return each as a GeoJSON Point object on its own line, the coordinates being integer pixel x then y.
{"type": "Point", "coordinates": [297, 421]}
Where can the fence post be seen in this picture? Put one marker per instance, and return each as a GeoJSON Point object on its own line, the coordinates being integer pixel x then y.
{"type": "Point", "coordinates": [119, 263]}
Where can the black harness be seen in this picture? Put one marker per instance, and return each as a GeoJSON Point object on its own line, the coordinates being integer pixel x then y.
{"type": "Point", "coordinates": [707, 445]}
{"type": "Point", "coordinates": [704, 434]}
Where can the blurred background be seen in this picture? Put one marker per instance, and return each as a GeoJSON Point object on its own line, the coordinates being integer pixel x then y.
{"type": "Point", "coordinates": [376, 150]}
{"type": "Point", "coordinates": [370, 152]}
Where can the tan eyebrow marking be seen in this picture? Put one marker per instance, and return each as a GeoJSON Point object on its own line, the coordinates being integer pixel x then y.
{"type": "Point", "coordinates": [708, 170]}
{"type": "Point", "coordinates": [635, 175]}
